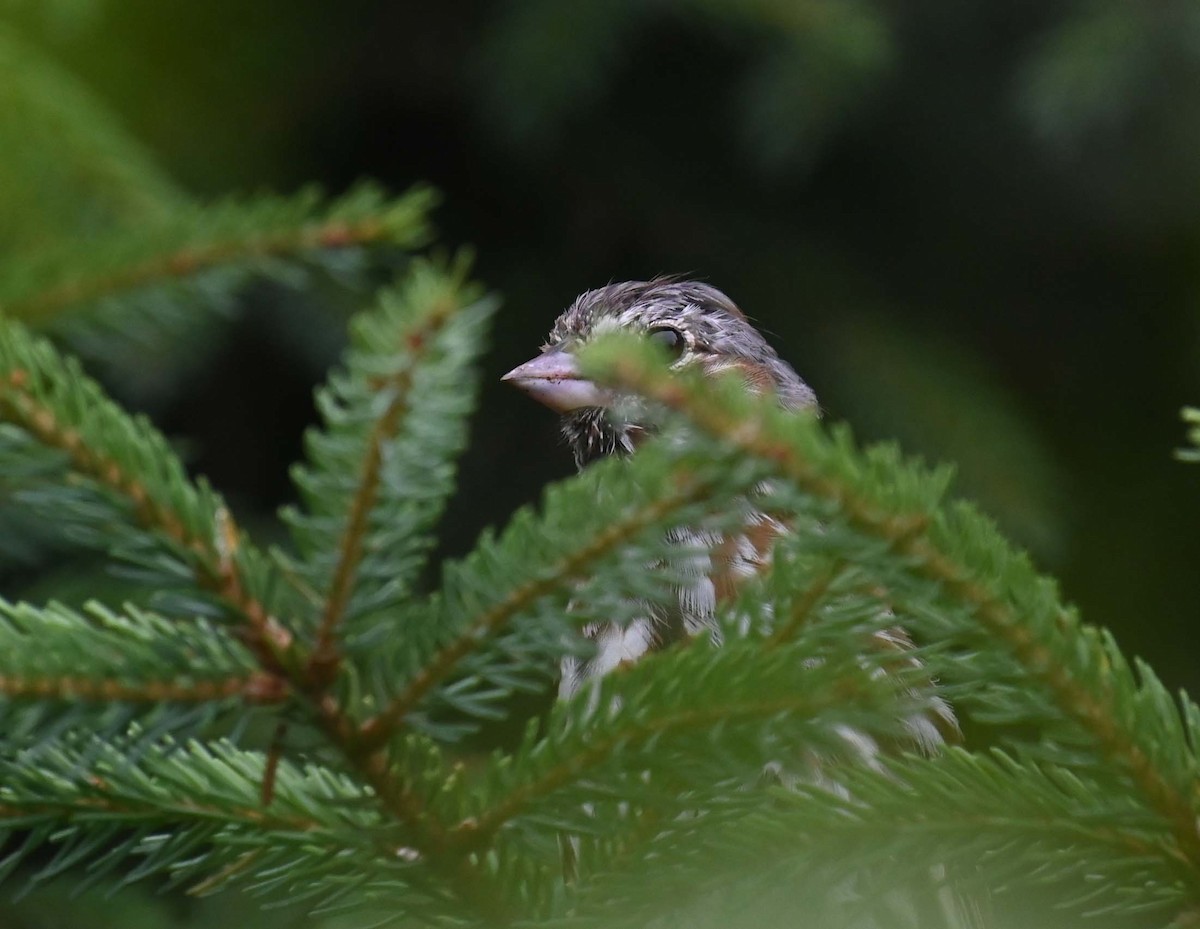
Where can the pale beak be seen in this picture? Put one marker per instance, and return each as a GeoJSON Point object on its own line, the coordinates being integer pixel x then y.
{"type": "Point", "coordinates": [553, 378]}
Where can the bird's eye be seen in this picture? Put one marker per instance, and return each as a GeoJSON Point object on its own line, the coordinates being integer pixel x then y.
{"type": "Point", "coordinates": [670, 339]}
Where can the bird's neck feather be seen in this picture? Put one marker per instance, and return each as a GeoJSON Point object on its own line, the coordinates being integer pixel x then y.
{"type": "Point", "coordinates": [594, 433]}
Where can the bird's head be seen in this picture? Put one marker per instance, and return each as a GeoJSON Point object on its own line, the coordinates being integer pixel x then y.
{"type": "Point", "coordinates": [699, 327]}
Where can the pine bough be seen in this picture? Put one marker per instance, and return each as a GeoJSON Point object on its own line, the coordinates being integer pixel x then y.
{"type": "Point", "coordinates": [133, 734]}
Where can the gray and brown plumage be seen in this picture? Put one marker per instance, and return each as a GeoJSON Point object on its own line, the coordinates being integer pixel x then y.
{"type": "Point", "coordinates": [702, 329]}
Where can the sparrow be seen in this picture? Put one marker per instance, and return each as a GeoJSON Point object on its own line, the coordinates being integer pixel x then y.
{"type": "Point", "coordinates": [701, 329]}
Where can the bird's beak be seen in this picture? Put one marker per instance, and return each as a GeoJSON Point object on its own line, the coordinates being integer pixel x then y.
{"type": "Point", "coordinates": [553, 378]}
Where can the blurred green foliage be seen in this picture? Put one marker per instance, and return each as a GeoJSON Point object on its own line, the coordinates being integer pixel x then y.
{"type": "Point", "coordinates": [98, 175]}
{"type": "Point", "coordinates": [971, 226]}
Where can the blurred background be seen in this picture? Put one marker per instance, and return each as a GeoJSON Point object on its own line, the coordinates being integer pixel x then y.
{"type": "Point", "coordinates": [973, 227]}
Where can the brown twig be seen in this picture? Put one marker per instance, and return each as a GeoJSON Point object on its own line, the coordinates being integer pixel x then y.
{"type": "Point", "coordinates": [191, 259]}
{"type": "Point", "coordinates": [807, 602]}
{"type": "Point", "coordinates": [107, 803]}
{"type": "Point", "coordinates": [259, 688]}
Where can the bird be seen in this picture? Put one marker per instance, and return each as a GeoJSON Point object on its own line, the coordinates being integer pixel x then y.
{"type": "Point", "coordinates": [702, 329]}
{"type": "Point", "coordinates": [698, 326]}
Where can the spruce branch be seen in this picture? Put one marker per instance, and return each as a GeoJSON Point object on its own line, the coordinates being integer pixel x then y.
{"type": "Point", "coordinates": [233, 233]}
{"type": "Point", "coordinates": [989, 811]}
{"type": "Point", "coordinates": [570, 566]}
{"type": "Point", "coordinates": [193, 810]}
{"type": "Point", "coordinates": [1134, 723]}
{"type": "Point", "coordinates": [58, 405]}
{"type": "Point", "coordinates": [513, 591]}
{"type": "Point", "coordinates": [805, 605]}
{"type": "Point", "coordinates": [374, 483]}
{"type": "Point", "coordinates": [658, 768]}
{"type": "Point", "coordinates": [104, 671]}
{"type": "Point", "coordinates": [56, 653]}
{"type": "Point", "coordinates": [380, 470]}
{"type": "Point", "coordinates": [981, 817]}
{"type": "Point", "coordinates": [55, 402]}
{"type": "Point", "coordinates": [255, 687]}
{"type": "Point", "coordinates": [683, 723]}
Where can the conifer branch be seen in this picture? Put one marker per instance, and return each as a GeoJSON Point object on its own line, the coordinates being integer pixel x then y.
{"type": "Point", "coordinates": [756, 427]}
{"type": "Point", "coordinates": [214, 568]}
{"type": "Point", "coordinates": [670, 741]}
{"type": "Point", "coordinates": [102, 670]}
{"type": "Point", "coordinates": [1095, 707]}
{"type": "Point", "coordinates": [350, 550]}
{"type": "Point", "coordinates": [23, 409]}
{"type": "Point", "coordinates": [807, 603]}
{"type": "Point", "coordinates": [103, 804]}
{"type": "Point", "coordinates": [258, 688]}
{"type": "Point", "coordinates": [964, 810]}
{"type": "Point", "coordinates": [214, 555]}
{"type": "Point", "coordinates": [379, 470]}
{"type": "Point", "coordinates": [427, 835]}
{"type": "Point", "coordinates": [98, 801]}
{"type": "Point", "coordinates": [418, 340]}
{"type": "Point", "coordinates": [693, 693]}
{"type": "Point", "coordinates": [199, 239]}
{"type": "Point", "coordinates": [388, 420]}
{"type": "Point", "coordinates": [976, 806]}
{"type": "Point", "coordinates": [571, 566]}
{"type": "Point", "coordinates": [580, 765]}
{"type": "Point", "coordinates": [41, 395]}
